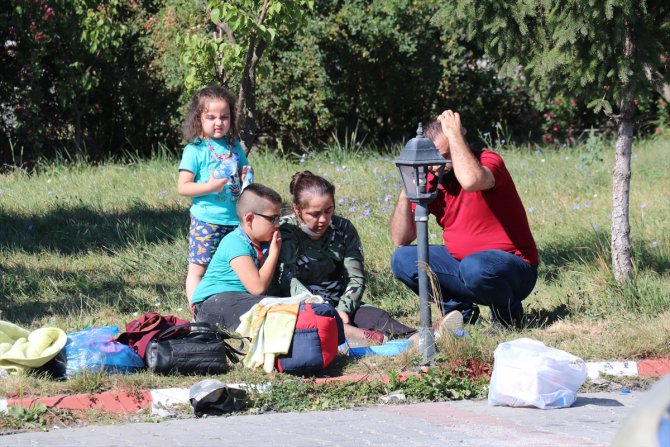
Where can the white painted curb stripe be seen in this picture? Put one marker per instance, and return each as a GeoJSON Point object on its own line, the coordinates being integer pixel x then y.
{"type": "Point", "coordinates": [3, 405]}
{"type": "Point", "coordinates": [162, 399]}
{"type": "Point", "coordinates": [611, 368]}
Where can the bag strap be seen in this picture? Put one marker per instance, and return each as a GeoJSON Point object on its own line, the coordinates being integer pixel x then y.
{"type": "Point", "coordinates": [201, 325]}
{"type": "Point", "coordinates": [230, 351]}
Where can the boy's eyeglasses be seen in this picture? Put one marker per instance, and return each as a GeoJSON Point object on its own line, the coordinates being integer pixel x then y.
{"type": "Point", "coordinates": [274, 219]}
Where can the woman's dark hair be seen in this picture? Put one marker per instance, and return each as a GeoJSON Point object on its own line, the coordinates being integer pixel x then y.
{"type": "Point", "coordinates": [304, 182]}
{"type": "Point", "coordinates": [192, 127]}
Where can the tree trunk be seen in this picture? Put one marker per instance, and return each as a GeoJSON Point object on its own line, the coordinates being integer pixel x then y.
{"type": "Point", "coordinates": [665, 92]}
{"type": "Point", "coordinates": [78, 133]}
{"type": "Point", "coordinates": [622, 265]}
{"type": "Point", "coordinates": [246, 100]}
{"type": "Point", "coordinates": [658, 82]}
{"type": "Point", "coordinates": [248, 88]}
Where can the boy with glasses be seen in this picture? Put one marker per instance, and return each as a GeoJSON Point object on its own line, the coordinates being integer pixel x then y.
{"type": "Point", "coordinates": [239, 273]}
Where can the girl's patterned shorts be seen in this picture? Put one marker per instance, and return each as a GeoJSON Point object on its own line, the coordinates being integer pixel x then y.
{"type": "Point", "coordinates": [203, 239]}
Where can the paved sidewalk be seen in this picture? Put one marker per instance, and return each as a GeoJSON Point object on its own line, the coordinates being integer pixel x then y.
{"type": "Point", "coordinates": [156, 399]}
{"type": "Point", "coordinates": [592, 421]}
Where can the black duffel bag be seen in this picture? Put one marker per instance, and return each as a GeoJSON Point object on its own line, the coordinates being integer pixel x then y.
{"type": "Point", "coordinates": [192, 348]}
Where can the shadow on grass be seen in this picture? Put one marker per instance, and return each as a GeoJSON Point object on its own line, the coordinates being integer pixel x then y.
{"type": "Point", "coordinates": [80, 230]}
{"type": "Point", "coordinates": [541, 318]}
{"type": "Point", "coordinates": [23, 291]}
{"type": "Point", "coordinates": [592, 248]}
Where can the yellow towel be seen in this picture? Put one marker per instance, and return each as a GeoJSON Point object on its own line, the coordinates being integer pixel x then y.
{"type": "Point", "coordinates": [9, 333]}
{"type": "Point", "coordinates": [270, 325]}
{"type": "Point", "coordinates": [21, 350]}
{"type": "Point", "coordinates": [271, 330]}
{"type": "Point", "coordinates": [279, 327]}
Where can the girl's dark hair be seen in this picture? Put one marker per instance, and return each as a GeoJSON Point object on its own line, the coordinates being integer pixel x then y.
{"type": "Point", "coordinates": [305, 182]}
{"type": "Point", "coordinates": [192, 127]}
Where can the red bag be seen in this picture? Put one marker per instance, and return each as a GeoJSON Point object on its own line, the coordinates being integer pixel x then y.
{"type": "Point", "coordinates": [139, 332]}
{"type": "Point", "coordinates": [318, 333]}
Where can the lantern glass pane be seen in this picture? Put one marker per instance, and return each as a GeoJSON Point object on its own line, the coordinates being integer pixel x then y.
{"type": "Point", "coordinates": [409, 176]}
{"type": "Point", "coordinates": [440, 171]}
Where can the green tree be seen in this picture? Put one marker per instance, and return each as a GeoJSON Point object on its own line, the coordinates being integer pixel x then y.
{"type": "Point", "coordinates": [230, 49]}
{"type": "Point", "coordinates": [608, 51]}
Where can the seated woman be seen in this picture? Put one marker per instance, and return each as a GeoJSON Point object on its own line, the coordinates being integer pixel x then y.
{"type": "Point", "coordinates": [322, 253]}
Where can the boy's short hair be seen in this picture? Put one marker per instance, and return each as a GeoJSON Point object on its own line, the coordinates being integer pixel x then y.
{"type": "Point", "coordinates": [252, 199]}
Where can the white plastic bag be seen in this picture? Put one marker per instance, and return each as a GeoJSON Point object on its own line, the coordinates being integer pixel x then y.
{"type": "Point", "coordinates": [526, 372]}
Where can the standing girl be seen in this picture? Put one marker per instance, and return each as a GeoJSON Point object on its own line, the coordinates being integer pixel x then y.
{"type": "Point", "coordinates": [211, 171]}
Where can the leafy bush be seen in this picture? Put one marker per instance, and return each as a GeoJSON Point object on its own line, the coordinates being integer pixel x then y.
{"type": "Point", "coordinates": [380, 67]}
{"type": "Point", "coordinates": [566, 121]}
{"type": "Point", "coordinates": [75, 76]}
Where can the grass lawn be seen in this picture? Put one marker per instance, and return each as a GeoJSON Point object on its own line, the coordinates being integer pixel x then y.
{"type": "Point", "coordinates": [86, 245]}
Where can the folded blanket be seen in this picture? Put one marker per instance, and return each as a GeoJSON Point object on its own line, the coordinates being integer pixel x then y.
{"type": "Point", "coordinates": [9, 333]}
{"type": "Point", "coordinates": [21, 350]}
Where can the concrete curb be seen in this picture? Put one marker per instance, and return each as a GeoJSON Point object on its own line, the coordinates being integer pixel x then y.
{"type": "Point", "coordinates": [158, 400]}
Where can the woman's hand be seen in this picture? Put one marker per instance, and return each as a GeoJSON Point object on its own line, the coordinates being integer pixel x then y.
{"type": "Point", "coordinates": [344, 316]}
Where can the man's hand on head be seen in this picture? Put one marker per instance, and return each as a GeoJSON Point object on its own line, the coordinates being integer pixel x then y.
{"type": "Point", "coordinates": [451, 124]}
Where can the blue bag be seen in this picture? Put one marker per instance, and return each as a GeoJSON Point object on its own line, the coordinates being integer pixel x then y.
{"type": "Point", "coordinates": [95, 349]}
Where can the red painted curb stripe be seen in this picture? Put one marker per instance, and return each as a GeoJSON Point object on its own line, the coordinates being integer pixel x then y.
{"type": "Point", "coordinates": [122, 402]}
{"type": "Point", "coordinates": [361, 377]}
{"type": "Point", "coordinates": [112, 402]}
{"type": "Point", "coordinates": [653, 367]}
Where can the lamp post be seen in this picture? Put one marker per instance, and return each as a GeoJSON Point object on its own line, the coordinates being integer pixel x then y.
{"type": "Point", "coordinates": [416, 160]}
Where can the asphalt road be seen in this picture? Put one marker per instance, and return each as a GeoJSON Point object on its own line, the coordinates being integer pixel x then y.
{"type": "Point", "coordinates": [592, 421]}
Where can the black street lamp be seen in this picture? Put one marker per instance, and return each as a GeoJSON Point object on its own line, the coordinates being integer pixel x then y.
{"type": "Point", "coordinates": [417, 159]}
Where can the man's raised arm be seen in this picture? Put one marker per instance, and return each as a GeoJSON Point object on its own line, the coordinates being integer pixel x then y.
{"type": "Point", "coordinates": [403, 227]}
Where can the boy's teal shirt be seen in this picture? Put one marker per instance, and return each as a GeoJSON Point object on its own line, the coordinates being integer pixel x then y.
{"type": "Point", "coordinates": [219, 207]}
{"type": "Point", "coordinates": [220, 277]}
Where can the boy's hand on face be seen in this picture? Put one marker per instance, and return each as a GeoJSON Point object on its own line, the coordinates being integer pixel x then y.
{"type": "Point", "coordinates": [217, 184]}
{"type": "Point", "coordinates": [275, 243]}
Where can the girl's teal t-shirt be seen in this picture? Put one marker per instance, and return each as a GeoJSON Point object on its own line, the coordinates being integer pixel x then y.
{"type": "Point", "coordinates": [201, 157]}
